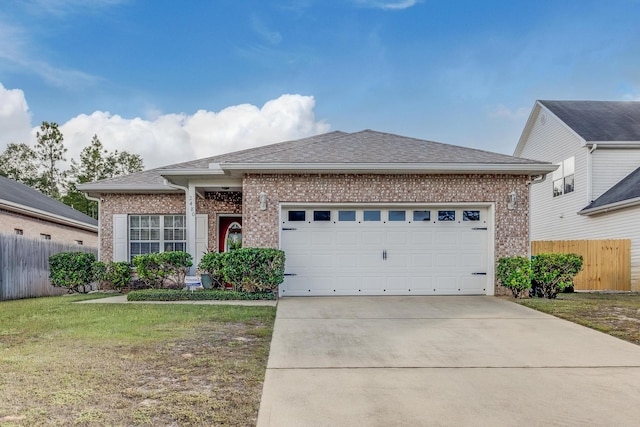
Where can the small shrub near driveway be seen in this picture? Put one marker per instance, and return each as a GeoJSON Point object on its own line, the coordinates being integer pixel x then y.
{"type": "Point", "coordinates": [515, 274]}
{"type": "Point", "coordinates": [71, 270]}
{"type": "Point", "coordinates": [553, 273]}
{"type": "Point", "coordinates": [156, 268]}
{"type": "Point", "coordinates": [254, 269]}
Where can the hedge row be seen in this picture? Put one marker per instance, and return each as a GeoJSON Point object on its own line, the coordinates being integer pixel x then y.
{"type": "Point", "coordinates": [199, 295]}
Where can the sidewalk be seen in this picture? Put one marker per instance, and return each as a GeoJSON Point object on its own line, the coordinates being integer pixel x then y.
{"type": "Point", "coordinates": [122, 299]}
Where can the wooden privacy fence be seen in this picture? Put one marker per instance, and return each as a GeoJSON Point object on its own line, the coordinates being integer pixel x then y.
{"type": "Point", "coordinates": [24, 266]}
{"type": "Point", "coordinates": [606, 263]}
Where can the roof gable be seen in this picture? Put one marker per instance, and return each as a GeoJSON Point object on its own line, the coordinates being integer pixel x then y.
{"type": "Point", "coordinates": [19, 194]}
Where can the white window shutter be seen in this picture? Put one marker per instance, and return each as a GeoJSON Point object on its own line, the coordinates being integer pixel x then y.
{"type": "Point", "coordinates": [120, 231]}
{"type": "Point", "coordinates": [202, 237]}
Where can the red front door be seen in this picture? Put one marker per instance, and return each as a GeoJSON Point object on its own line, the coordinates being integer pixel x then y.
{"type": "Point", "coordinates": [228, 229]}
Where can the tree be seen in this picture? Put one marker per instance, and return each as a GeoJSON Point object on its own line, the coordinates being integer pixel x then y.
{"type": "Point", "coordinates": [97, 163]}
{"type": "Point", "coordinates": [49, 151]}
{"type": "Point", "coordinates": [18, 162]}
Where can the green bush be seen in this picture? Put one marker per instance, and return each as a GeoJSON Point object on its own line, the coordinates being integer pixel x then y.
{"type": "Point", "coordinates": [212, 263]}
{"type": "Point", "coordinates": [200, 295]}
{"type": "Point", "coordinates": [71, 270]}
{"type": "Point", "coordinates": [254, 269]}
{"type": "Point", "coordinates": [115, 275]}
{"type": "Point", "coordinates": [515, 274]}
{"type": "Point", "coordinates": [553, 273]}
{"type": "Point", "coordinates": [156, 268]}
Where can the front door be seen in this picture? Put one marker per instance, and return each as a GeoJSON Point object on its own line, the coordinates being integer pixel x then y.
{"type": "Point", "coordinates": [229, 233]}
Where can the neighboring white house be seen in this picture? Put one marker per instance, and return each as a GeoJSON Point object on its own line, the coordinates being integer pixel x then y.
{"type": "Point", "coordinates": [595, 192]}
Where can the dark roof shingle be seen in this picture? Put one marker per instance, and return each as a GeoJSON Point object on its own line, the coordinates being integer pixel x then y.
{"type": "Point", "coordinates": [626, 189]}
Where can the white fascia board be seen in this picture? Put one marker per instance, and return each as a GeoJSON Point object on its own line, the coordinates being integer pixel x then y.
{"type": "Point", "coordinates": [192, 172]}
{"type": "Point", "coordinates": [401, 168]}
{"type": "Point", "coordinates": [614, 144]}
{"type": "Point", "coordinates": [37, 213]}
{"type": "Point", "coordinates": [527, 129]}
{"type": "Point", "coordinates": [122, 188]}
{"type": "Point", "coordinates": [611, 207]}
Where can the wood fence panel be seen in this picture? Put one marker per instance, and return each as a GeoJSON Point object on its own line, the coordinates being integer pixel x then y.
{"type": "Point", "coordinates": [606, 263]}
{"type": "Point", "coordinates": [24, 266]}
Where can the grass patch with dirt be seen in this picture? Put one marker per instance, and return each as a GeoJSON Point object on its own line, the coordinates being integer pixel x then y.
{"type": "Point", "coordinates": [615, 314]}
{"type": "Point", "coordinates": [123, 364]}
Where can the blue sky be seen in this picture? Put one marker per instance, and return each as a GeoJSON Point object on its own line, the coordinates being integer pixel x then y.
{"type": "Point", "coordinates": [150, 76]}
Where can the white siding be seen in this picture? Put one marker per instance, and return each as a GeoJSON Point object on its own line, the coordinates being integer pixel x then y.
{"type": "Point", "coordinates": [610, 166]}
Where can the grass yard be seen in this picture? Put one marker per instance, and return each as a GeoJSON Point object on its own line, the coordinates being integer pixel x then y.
{"type": "Point", "coordinates": [614, 314]}
{"type": "Point", "coordinates": [123, 364]}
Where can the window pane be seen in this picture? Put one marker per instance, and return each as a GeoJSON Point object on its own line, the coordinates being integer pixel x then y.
{"type": "Point", "coordinates": [446, 215]}
{"type": "Point", "coordinates": [154, 221]}
{"type": "Point", "coordinates": [144, 221]}
{"type": "Point", "coordinates": [297, 215]}
{"type": "Point", "coordinates": [144, 234]}
{"type": "Point", "coordinates": [168, 234]}
{"type": "Point", "coordinates": [557, 174]}
{"type": "Point", "coordinates": [135, 221]}
{"type": "Point", "coordinates": [322, 215]}
{"type": "Point", "coordinates": [568, 184]}
{"type": "Point", "coordinates": [154, 247]}
{"type": "Point", "coordinates": [397, 215]}
{"type": "Point", "coordinates": [421, 215]}
{"type": "Point", "coordinates": [178, 221]}
{"type": "Point", "coordinates": [179, 235]}
{"type": "Point", "coordinates": [557, 187]}
{"type": "Point", "coordinates": [471, 215]}
{"type": "Point", "coordinates": [154, 234]}
{"type": "Point", "coordinates": [568, 166]}
{"type": "Point", "coordinates": [372, 215]}
{"type": "Point", "coordinates": [179, 246]}
{"type": "Point", "coordinates": [346, 215]}
{"type": "Point", "coordinates": [168, 247]}
{"type": "Point", "coordinates": [135, 234]}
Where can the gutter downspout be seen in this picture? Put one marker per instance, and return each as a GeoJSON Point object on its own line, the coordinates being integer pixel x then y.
{"type": "Point", "coordinates": [190, 218]}
{"type": "Point", "coordinates": [534, 180]}
{"type": "Point", "coordinates": [590, 174]}
{"type": "Point", "coordinates": [95, 199]}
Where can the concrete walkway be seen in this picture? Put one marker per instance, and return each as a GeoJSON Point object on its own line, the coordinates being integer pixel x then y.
{"type": "Point", "coordinates": [443, 361]}
{"type": "Point", "coordinates": [122, 299]}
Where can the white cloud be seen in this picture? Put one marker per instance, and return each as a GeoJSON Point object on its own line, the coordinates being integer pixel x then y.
{"type": "Point", "coordinates": [173, 138]}
{"type": "Point", "coordinates": [388, 5]}
{"type": "Point", "coordinates": [15, 118]}
{"type": "Point", "coordinates": [502, 112]}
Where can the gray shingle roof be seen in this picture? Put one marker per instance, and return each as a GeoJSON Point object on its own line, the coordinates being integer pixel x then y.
{"type": "Point", "coordinates": [18, 193]}
{"type": "Point", "coordinates": [628, 188]}
{"type": "Point", "coordinates": [599, 120]}
{"type": "Point", "coordinates": [336, 147]}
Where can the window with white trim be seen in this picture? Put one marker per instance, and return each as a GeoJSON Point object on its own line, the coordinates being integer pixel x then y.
{"type": "Point", "coordinates": [563, 177]}
{"type": "Point", "coordinates": [156, 233]}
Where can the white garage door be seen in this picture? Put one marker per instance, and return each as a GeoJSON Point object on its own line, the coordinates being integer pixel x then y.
{"type": "Point", "coordinates": [385, 250]}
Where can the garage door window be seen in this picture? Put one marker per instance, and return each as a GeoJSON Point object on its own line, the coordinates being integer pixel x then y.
{"type": "Point", "coordinates": [371, 215]}
{"type": "Point", "coordinates": [322, 215]}
{"type": "Point", "coordinates": [471, 215]}
{"type": "Point", "coordinates": [421, 215]}
{"type": "Point", "coordinates": [297, 215]}
{"type": "Point", "coordinates": [446, 215]}
{"type": "Point", "coordinates": [346, 215]}
{"type": "Point", "coordinates": [397, 216]}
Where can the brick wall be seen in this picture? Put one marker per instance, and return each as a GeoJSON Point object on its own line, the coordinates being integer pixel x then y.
{"type": "Point", "coordinates": [34, 227]}
{"type": "Point", "coordinates": [162, 204]}
{"type": "Point", "coordinates": [260, 228]}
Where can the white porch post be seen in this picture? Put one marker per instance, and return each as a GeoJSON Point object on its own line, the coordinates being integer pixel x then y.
{"type": "Point", "coordinates": [191, 224]}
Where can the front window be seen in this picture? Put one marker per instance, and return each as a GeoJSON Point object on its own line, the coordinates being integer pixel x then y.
{"type": "Point", "coordinates": [563, 177]}
{"type": "Point", "coordinates": [156, 233]}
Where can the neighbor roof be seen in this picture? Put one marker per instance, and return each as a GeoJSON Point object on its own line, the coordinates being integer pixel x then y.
{"type": "Point", "coordinates": [623, 194]}
{"type": "Point", "coordinates": [329, 152]}
{"type": "Point", "coordinates": [599, 121]}
{"type": "Point", "coordinates": [17, 196]}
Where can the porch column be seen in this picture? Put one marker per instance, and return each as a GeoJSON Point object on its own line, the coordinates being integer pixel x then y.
{"type": "Point", "coordinates": [191, 224]}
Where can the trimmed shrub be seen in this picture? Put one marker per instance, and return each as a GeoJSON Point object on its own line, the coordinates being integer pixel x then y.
{"type": "Point", "coordinates": [71, 270]}
{"type": "Point", "coordinates": [99, 274]}
{"type": "Point", "coordinates": [515, 274]}
{"type": "Point", "coordinates": [200, 295]}
{"type": "Point", "coordinates": [254, 269]}
{"type": "Point", "coordinates": [156, 268]}
{"type": "Point", "coordinates": [553, 273]}
{"type": "Point", "coordinates": [212, 263]}
{"type": "Point", "coordinates": [119, 274]}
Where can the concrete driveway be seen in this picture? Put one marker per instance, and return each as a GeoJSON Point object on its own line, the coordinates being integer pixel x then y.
{"type": "Point", "coordinates": [443, 361]}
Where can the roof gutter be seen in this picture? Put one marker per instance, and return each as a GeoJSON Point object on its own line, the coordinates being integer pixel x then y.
{"type": "Point", "coordinates": [611, 207]}
{"type": "Point", "coordinates": [15, 207]}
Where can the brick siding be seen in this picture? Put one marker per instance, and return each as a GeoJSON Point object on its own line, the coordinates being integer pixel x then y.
{"type": "Point", "coordinates": [34, 227]}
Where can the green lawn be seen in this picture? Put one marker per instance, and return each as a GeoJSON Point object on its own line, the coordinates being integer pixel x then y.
{"type": "Point", "coordinates": [616, 314]}
{"type": "Point", "coordinates": [123, 364]}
